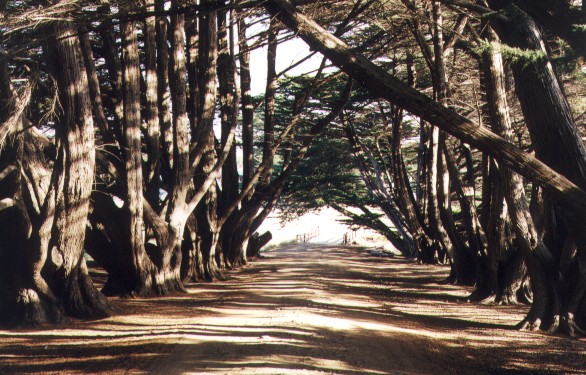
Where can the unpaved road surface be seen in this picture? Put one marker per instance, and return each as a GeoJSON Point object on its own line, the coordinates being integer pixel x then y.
{"type": "Point", "coordinates": [301, 310]}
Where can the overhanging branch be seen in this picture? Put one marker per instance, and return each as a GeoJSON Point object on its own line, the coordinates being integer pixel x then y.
{"type": "Point", "coordinates": [386, 86]}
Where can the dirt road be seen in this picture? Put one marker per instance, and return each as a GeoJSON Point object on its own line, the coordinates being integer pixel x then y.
{"type": "Point", "coordinates": [302, 310]}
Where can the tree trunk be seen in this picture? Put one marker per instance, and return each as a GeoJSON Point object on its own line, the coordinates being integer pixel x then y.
{"type": "Point", "coordinates": [153, 137]}
{"type": "Point", "coordinates": [404, 194]}
{"type": "Point", "coordinates": [458, 252]}
{"type": "Point", "coordinates": [206, 211]}
{"type": "Point", "coordinates": [75, 168]}
{"type": "Point", "coordinates": [558, 143]}
{"type": "Point", "coordinates": [228, 109]}
{"type": "Point", "coordinates": [247, 104]}
{"type": "Point", "coordinates": [177, 213]}
{"type": "Point", "coordinates": [463, 269]}
{"type": "Point", "coordinates": [269, 110]}
{"type": "Point", "coordinates": [435, 222]}
{"type": "Point", "coordinates": [256, 243]}
{"type": "Point", "coordinates": [164, 95]}
{"type": "Point", "coordinates": [142, 268]}
{"type": "Point", "coordinates": [501, 257]}
{"type": "Point", "coordinates": [192, 265]}
{"type": "Point", "coordinates": [114, 66]}
{"type": "Point", "coordinates": [26, 298]}
{"type": "Point", "coordinates": [376, 187]}
{"type": "Point", "coordinates": [94, 88]}
{"type": "Point", "coordinates": [193, 105]}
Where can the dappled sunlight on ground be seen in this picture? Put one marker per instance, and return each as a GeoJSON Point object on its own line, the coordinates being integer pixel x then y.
{"type": "Point", "coordinates": [302, 310]}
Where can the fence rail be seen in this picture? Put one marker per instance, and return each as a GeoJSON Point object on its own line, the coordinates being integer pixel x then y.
{"type": "Point", "coordinates": [304, 237]}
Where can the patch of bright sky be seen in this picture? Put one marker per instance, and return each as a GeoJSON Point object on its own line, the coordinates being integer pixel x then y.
{"type": "Point", "coordinates": [288, 53]}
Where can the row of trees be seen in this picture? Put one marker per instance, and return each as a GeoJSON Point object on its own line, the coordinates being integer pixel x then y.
{"type": "Point", "coordinates": [123, 122]}
{"type": "Point", "coordinates": [510, 238]}
{"type": "Point", "coordinates": [118, 140]}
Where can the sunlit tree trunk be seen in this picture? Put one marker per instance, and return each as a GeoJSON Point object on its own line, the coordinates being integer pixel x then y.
{"type": "Point", "coordinates": [433, 213]}
{"type": "Point", "coordinates": [458, 252]}
{"type": "Point", "coordinates": [177, 212]}
{"type": "Point", "coordinates": [206, 211]}
{"type": "Point", "coordinates": [74, 176]}
{"type": "Point", "coordinates": [463, 268]}
{"type": "Point", "coordinates": [26, 297]}
{"type": "Point", "coordinates": [152, 180]}
{"type": "Point", "coordinates": [141, 266]}
{"type": "Point", "coordinates": [164, 96]}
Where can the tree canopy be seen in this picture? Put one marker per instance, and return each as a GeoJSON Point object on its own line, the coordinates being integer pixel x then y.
{"type": "Point", "coordinates": [129, 133]}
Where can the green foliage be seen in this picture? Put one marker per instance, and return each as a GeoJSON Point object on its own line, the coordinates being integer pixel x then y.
{"type": "Point", "coordinates": [513, 54]}
{"type": "Point", "coordinates": [326, 175]}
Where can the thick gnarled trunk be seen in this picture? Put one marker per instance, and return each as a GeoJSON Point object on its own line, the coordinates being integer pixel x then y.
{"type": "Point", "coordinates": [56, 284]}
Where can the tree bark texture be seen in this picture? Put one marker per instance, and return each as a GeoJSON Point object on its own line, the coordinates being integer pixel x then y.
{"type": "Point", "coordinates": [153, 137]}
{"type": "Point", "coordinates": [501, 256]}
{"type": "Point", "coordinates": [246, 103]}
{"type": "Point", "coordinates": [142, 267]}
{"type": "Point", "coordinates": [269, 110]}
{"type": "Point", "coordinates": [75, 167]}
{"type": "Point", "coordinates": [164, 95]}
{"type": "Point", "coordinates": [228, 109]}
{"type": "Point", "coordinates": [206, 211]}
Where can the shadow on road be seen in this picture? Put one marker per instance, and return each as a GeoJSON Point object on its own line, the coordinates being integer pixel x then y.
{"type": "Point", "coordinates": [301, 310]}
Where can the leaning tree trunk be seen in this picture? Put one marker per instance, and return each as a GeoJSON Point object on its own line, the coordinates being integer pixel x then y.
{"type": "Point", "coordinates": [556, 133]}
{"type": "Point", "coordinates": [383, 85]}
{"type": "Point", "coordinates": [405, 196]}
